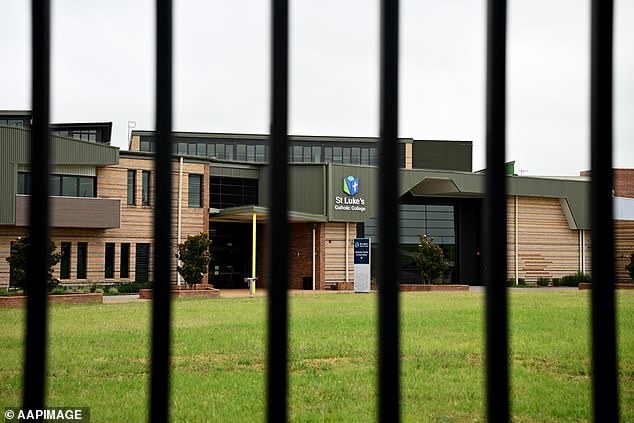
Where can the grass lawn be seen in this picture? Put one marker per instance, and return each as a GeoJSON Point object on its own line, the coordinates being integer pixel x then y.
{"type": "Point", "coordinates": [98, 358]}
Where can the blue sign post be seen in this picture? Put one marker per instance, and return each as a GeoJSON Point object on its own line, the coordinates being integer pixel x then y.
{"type": "Point", "coordinates": [362, 261]}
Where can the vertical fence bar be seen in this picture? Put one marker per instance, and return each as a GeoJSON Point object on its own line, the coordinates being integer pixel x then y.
{"type": "Point", "coordinates": [389, 394]}
{"type": "Point", "coordinates": [37, 273]}
{"type": "Point", "coordinates": [497, 373]}
{"type": "Point", "coordinates": [278, 235]}
{"type": "Point", "coordinates": [604, 357]}
{"type": "Point", "coordinates": [161, 304]}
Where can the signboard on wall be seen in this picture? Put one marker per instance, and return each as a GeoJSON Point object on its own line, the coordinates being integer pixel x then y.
{"type": "Point", "coordinates": [351, 192]}
{"type": "Point", "coordinates": [362, 261]}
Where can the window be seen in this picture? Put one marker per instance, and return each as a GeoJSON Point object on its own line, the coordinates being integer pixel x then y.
{"type": "Point", "coordinates": [64, 272]}
{"type": "Point", "coordinates": [194, 195]}
{"type": "Point", "coordinates": [328, 154]}
{"type": "Point", "coordinates": [355, 155]}
{"type": "Point", "coordinates": [145, 188]}
{"type": "Point", "coordinates": [145, 145]}
{"type": "Point", "coordinates": [124, 265]}
{"type": "Point", "coordinates": [131, 187]}
{"type": "Point", "coordinates": [316, 154]}
{"type": "Point", "coordinates": [346, 155]}
{"type": "Point", "coordinates": [373, 157]}
{"type": "Point", "coordinates": [182, 148]}
{"type": "Point", "coordinates": [260, 153]}
{"type": "Point", "coordinates": [82, 259]}
{"type": "Point", "coordinates": [337, 154]}
{"type": "Point", "coordinates": [24, 183]}
{"type": "Point", "coordinates": [109, 268]}
{"type": "Point", "coordinates": [12, 122]}
{"type": "Point", "coordinates": [86, 186]}
{"type": "Point", "coordinates": [54, 185]}
{"type": "Point", "coordinates": [65, 185]}
{"type": "Point", "coordinates": [12, 252]}
{"type": "Point", "coordinates": [211, 150]}
{"type": "Point", "coordinates": [306, 154]}
{"type": "Point", "coordinates": [231, 192]}
{"type": "Point", "coordinates": [201, 149]}
{"type": "Point", "coordinates": [297, 153]}
{"type": "Point", "coordinates": [142, 265]}
{"type": "Point", "coordinates": [229, 152]}
{"type": "Point", "coordinates": [191, 149]}
{"type": "Point", "coordinates": [365, 157]}
{"type": "Point", "coordinates": [241, 152]}
{"type": "Point", "coordinates": [69, 186]}
{"type": "Point", "coordinates": [220, 151]}
{"type": "Point", "coordinates": [251, 153]}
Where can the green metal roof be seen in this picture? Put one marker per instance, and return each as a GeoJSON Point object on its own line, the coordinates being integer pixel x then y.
{"type": "Point", "coordinates": [15, 150]}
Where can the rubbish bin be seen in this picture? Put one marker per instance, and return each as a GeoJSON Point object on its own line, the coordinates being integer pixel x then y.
{"type": "Point", "coordinates": [307, 283]}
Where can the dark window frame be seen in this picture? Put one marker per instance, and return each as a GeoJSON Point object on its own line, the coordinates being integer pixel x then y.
{"type": "Point", "coordinates": [146, 186]}
{"type": "Point", "coordinates": [131, 194]}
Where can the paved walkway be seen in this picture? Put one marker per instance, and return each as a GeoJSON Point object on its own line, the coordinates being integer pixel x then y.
{"type": "Point", "coordinates": [108, 299]}
{"type": "Point", "coordinates": [262, 292]}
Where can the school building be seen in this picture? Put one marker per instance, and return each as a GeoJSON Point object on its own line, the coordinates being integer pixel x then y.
{"type": "Point", "coordinates": [102, 206]}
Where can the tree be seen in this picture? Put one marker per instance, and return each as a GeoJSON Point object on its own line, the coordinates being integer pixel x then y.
{"type": "Point", "coordinates": [194, 258]}
{"type": "Point", "coordinates": [430, 259]}
{"type": "Point", "coordinates": [18, 263]}
{"type": "Point", "coordinates": [630, 266]}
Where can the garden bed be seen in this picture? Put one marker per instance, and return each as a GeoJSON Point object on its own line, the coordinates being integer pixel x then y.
{"type": "Point", "coordinates": [616, 286]}
{"type": "Point", "coordinates": [146, 294]}
{"type": "Point", "coordinates": [428, 288]}
{"type": "Point", "coordinates": [76, 298]}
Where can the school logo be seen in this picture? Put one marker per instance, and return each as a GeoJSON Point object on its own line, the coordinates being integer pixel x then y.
{"type": "Point", "coordinates": [351, 185]}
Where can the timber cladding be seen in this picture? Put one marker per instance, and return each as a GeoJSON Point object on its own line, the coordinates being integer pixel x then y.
{"type": "Point", "coordinates": [546, 246]}
{"type": "Point", "coordinates": [335, 252]}
{"type": "Point", "coordinates": [135, 227]}
{"type": "Point", "coordinates": [624, 247]}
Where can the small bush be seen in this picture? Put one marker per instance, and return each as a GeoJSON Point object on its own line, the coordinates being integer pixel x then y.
{"type": "Point", "coordinates": [556, 281]}
{"type": "Point", "coordinates": [98, 291]}
{"type": "Point", "coordinates": [58, 290]}
{"type": "Point", "coordinates": [132, 287]}
{"type": "Point", "coordinates": [520, 282]}
{"type": "Point", "coordinates": [575, 280]}
{"type": "Point", "coordinates": [113, 291]}
{"type": "Point", "coordinates": [543, 281]}
{"type": "Point", "coordinates": [429, 259]}
{"type": "Point", "coordinates": [93, 287]}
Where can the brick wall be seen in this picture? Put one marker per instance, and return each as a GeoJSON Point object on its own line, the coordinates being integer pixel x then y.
{"type": "Point", "coordinates": [300, 248]}
{"type": "Point", "coordinates": [623, 182]}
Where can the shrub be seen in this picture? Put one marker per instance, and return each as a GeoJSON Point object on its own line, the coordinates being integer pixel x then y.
{"type": "Point", "coordinates": [113, 291]}
{"type": "Point", "coordinates": [93, 287]}
{"type": "Point", "coordinates": [132, 287]}
{"type": "Point", "coordinates": [194, 258]}
{"type": "Point", "coordinates": [58, 290]}
{"type": "Point", "coordinates": [511, 282]}
{"type": "Point", "coordinates": [556, 281]}
{"type": "Point", "coordinates": [543, 281]}
{"type": "Point", "coordinates": [98, 291]}
{"type": "Point", "coordinates": [429, 259]}
{"type": "Point", "coordinates": [19, 263]}
{"type": "Point", "coordinates": [575, 280]}
{"type": "Point", "coordinates": [630, 266]}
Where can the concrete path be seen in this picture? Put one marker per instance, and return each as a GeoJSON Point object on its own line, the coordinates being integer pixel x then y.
{"type": "Point", "coordinates": [109, 299]}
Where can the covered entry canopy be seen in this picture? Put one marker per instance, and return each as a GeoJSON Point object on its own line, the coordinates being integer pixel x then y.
{"type": "Point", "coordinates": [245, 214]}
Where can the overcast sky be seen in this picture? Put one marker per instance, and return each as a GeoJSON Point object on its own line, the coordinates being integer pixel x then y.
{"type": "Point", "coordinates": [103, 70]}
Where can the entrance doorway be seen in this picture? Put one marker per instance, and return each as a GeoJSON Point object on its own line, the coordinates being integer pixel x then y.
{"type": "Point", "coordinates": [231, 254]}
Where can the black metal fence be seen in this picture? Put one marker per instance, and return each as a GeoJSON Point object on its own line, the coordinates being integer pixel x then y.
{"type": "Point", "coordinates": [604, 359]}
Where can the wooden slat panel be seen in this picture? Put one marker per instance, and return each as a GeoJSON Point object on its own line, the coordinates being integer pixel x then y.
{"type": "Point", "coordinates": [335, 252]}
{"type": "Point", "coordinates": [548, 248]}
